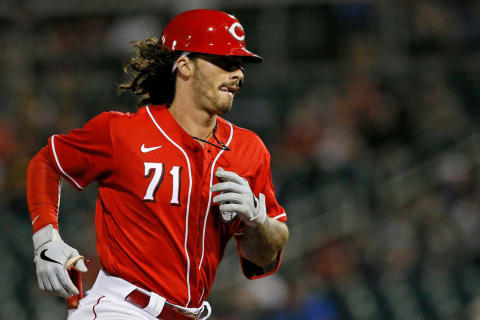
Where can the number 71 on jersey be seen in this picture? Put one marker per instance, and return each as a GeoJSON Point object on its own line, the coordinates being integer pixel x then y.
{"type": "Point", "coordinates": [158, 170]}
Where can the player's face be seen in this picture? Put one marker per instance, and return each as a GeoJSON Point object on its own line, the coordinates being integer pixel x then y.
{"type": "Point", "coordinates": [216, 81]}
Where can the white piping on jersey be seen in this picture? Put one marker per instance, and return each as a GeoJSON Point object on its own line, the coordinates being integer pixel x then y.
{"type": "Point", "coordinates": [279, 216]}
{"type": "Point", "coordinates": [60, 167]}
{"type": "Point", "coordinates": [200, 300]}
{"type": "Point", "coordinates": [60, 184]}
{"type": "Point", "coordinates": [188, 200]}
{"type": "Point", "coordinates": [210, 194]}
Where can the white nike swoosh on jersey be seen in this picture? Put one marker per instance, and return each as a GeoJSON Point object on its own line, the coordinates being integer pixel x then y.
{"type": "Point", "coordinates": [35, 219]}
{"type": "Point", "coordinates": [145, 149]}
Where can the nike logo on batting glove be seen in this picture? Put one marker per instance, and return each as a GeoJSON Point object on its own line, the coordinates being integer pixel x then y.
{"type": "Point", "coordinates": [44, 257]}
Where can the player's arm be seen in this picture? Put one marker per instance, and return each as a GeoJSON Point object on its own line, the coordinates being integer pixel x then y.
{"type": "Point", "coordinates": [51, 254]}
{"type": "Point", "coordinates": [79, 157]}
{"type": "Point", "coordinates": [263, 237]}
{"type": "Point", "coordinates": [262, 243]}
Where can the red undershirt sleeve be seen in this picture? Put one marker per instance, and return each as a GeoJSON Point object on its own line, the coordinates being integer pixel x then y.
{"type": "Point", "coordinates": [43, 191]}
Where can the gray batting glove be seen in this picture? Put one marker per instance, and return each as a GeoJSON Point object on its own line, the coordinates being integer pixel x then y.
{"type": "Point", "coordinates": [237, 196]}
{"type": "Point", "coordinates": [51, 259]}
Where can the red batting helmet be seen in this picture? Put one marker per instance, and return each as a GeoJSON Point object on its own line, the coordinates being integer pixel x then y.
{"type": "Point", "coordinates": [207, 31]}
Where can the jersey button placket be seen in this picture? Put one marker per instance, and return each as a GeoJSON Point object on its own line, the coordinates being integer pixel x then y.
{"type": "Point", "coordinates": [204, 187]}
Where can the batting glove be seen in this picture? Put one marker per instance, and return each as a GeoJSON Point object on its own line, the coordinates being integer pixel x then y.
{"type": "Point", "coordinates": [237, 196]}
{"type": "Point", "coordinates": [52, 256]}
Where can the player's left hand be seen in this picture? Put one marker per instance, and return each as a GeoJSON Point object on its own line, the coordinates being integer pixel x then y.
{"type": "Point", "coordinates": [237, 196]}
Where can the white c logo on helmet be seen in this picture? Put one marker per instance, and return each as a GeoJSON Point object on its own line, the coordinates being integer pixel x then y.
{"type": "Point", "coordinates": [233, 31]}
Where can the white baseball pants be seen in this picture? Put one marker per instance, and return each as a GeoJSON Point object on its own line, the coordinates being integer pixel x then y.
{"type": "Point", "coordinates": [106, 301]}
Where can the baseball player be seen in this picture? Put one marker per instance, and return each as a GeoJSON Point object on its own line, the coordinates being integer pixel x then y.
{"type": "Point", "coordinates": [175, 182]}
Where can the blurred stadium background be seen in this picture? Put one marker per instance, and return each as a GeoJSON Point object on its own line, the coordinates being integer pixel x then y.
{"type": "Point", "coordinates": [369, 108]}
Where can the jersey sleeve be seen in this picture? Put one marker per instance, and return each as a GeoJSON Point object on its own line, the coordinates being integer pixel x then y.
{"type": "Point", "coordinates": [262, 184]}
{"type": "Point", "coordinates": [84, 155]}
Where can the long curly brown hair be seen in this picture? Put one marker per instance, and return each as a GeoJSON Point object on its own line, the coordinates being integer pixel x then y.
{"type": "Point", "coordinates": [150, 73]}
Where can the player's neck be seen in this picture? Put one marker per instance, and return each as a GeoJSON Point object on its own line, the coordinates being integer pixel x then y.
{"type": "Point", "coordinates": [194, 120]}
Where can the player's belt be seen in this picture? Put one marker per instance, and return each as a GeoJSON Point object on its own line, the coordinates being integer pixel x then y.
{"type": "Point", "coordinates": [121, 290]}
{"type": "Point", "coordinates": [169, 311]}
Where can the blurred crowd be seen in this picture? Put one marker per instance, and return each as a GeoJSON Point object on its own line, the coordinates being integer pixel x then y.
{"type": "Point", "coordinates": [371, 116]}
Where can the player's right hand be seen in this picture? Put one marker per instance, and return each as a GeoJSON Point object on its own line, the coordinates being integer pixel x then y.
{"type": "Point", "coordinates": [51, 256]}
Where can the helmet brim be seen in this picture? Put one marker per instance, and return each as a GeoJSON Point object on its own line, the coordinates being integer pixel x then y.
{"type": "Point", "coordinates": [249, 59]}
{"type": "Point", "coordinates": [247, 56]}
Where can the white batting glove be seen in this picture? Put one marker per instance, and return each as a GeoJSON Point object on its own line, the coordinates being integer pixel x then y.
{"type": "Point", "coordinates": [52, 256]}
{"type": "Point", "coordinates": [237, 196]}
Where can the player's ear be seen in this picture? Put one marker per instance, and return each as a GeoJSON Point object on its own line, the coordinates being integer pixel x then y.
{"type": "Point", "coordinates": [185, 66]}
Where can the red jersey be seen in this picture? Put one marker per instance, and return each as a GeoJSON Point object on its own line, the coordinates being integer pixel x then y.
{"type": "Point", "coordinates": [156, 224]}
